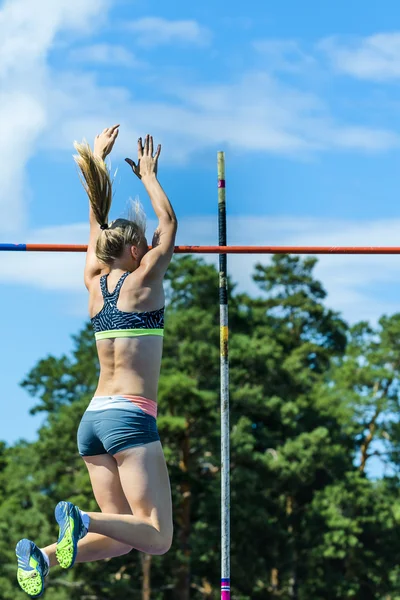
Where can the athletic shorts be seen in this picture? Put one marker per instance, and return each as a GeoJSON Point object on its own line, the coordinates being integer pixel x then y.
{"type": "Point", "coordinates": [111, 424]}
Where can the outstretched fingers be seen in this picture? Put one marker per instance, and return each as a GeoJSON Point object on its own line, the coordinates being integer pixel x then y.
{"type": "Point", "coordinates": [140, 147]}
{"type": "Point", "coordinates": [104, 142]}
{"type": "Point", "coordinates": [147, 148]}
{"type": "Point", "coordinates": [131, 163]}
{"type": "Point", "coordinates": [147, 145]}
{"type": "Point", "coordinates": [146, 163]}
{"type": "Point", "coordinates": [110, 130]}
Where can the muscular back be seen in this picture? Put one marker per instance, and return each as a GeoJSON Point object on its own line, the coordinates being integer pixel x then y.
{"type": "Point", "coordinates": [129, 365]}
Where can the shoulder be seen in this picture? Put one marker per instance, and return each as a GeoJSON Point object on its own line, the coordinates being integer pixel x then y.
{"type": "Point", "coordinates": [140, 279]}
{"type": "Point", "coordinates": [94, 283]}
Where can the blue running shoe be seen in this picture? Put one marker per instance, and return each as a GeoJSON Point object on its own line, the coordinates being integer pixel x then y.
{"type": "Point", "coordinates": [72, 530]}
{"type": "Point", "coordinates": [32, 568]}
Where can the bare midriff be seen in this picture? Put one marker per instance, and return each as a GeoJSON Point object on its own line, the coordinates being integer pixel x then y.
{"type": "Point", "coordinates": [130, 366]}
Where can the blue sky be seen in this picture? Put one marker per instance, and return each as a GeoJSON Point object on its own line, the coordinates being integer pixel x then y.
{"type": "Point", "coordinates": [303, 97]}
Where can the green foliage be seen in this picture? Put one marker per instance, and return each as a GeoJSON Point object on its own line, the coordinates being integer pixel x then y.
{"type": "Point", "coordinates": [312, 401]}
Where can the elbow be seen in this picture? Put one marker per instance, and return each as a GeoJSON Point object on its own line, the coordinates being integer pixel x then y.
{"type": "Point", "coordinates": [168, 219]}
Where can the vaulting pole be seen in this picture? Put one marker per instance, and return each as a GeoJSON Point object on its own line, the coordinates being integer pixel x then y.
{"type": "Point", "coordinates": [224, 367]}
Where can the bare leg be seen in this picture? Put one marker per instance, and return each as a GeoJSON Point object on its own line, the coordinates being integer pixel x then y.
{"type": "Point", "coordinates": [145, 483]}
{"type": "Point", "coordinates": [110, 497]}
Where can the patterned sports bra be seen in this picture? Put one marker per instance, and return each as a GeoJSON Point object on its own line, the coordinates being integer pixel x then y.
{"type": "Point", "coordinates": [113, 323]}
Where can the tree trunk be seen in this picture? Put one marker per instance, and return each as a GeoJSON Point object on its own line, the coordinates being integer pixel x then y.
{"type": "Point", "coordinates": [368, 439]}
{"type": "Point", "coordinates": [146, 576]}
{"type": "Point", "coordinates": [274, 582]}
{"type": "Point", "coordinates": [293, 584]}
{"type": "Point", "coordinates": [182, 588]}
{"type": "Point", "coordinates": [350, 562]}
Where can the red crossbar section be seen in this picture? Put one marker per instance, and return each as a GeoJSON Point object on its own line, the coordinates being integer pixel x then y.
{"type": "Point", "coordinates": [239, 249]}
{"type": "Point", "coordinates": [56, 248]}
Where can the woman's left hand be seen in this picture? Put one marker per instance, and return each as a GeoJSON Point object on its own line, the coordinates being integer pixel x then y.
{"type": "Point", "coordinates": [104, 142]}
{"type": "Point", "coordinates": [147, 163]}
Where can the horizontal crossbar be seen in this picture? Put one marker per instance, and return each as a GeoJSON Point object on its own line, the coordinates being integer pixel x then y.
{"type": "Point", "coordinates": [219, 249]}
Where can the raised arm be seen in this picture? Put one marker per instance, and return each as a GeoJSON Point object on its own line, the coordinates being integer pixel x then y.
{"type": "Point", "coordinates": [98, 186]}
{"type": "Point", "coordinates": [156, 261]}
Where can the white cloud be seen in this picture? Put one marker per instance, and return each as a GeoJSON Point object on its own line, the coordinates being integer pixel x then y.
{"type": "Point", "coordinates": [375, 58]}
{"type": "Point", "coordinates": [153, 31]}
{"type": "Point", "coordinates": [284, 55]}
{"type": "Point", "coordinates": [105, 54]}
{"type": "Point", "coordinates": [354, 283]}
{"type": "Point", "coordinates": [361, 138]}
{"type": "Point", "coordinates": [275, 118]}
{"type": "Point", "coordinates": [28, 29]}
{"type": "Point", "coordinates": [21, 118]}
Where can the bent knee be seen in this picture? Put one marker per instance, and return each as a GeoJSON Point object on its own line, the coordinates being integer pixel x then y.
{"type": "Point", "coordinates": [159, 550]}
{"type": "Point", "coordinates": [161, 545]}
{"type": "Point", "coordinates": [122, 549]}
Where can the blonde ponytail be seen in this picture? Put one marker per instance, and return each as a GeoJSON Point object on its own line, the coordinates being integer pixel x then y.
{"type": "Point", "coordinates": [96, 180]}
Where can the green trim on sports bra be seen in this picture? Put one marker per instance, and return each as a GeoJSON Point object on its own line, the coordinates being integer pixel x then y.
{"type": "Point", "coordinates": [121, 333]}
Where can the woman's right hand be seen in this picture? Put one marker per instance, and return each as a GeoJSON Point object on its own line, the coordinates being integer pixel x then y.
{"type": "Point", "coordinates": [104, 142]}
{"type": "Point", "coordinates": [147, 163]}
